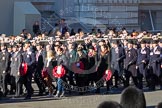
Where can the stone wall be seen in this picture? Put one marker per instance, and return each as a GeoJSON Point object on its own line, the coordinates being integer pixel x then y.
{"type": "Point", "coordinates": [109, 12]}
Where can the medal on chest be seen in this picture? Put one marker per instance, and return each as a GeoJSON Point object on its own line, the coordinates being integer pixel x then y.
{"type": "Point", "coordinates": [129, 54]}
{"type": "Point", "coordinates": [116, 50]}
{"type": "Point", "coordinates": [28, 56]}
{"type": "Point", "coordinates": [151, 53]}
{"type": "Point", "coordinates": [15, 59]}
{"type": "Point", "coordinates": [143, 52]}
{"type": "Point", "coordinates": [3, 58]}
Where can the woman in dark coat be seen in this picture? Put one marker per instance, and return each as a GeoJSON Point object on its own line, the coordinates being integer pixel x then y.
{"type": "Point", "coordinates": [103, 64]}
{"type": "Point", "coordinates": [50, 63]}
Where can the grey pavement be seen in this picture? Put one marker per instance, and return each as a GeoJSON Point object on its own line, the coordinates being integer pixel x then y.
{"type": "Point", "coordinates": [85, 101]}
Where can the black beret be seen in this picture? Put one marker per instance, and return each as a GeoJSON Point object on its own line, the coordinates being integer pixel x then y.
{"type": "Point", "coordinates": [154, 41]}
{"type": "Point", "coordinates": [94, 40]}
{"type": "Point", "coordinates": [102, 40]}
{"type": "Point", "coordinates": [130, 41]}
{"type": "Point", "coordinates": [115, 41]}
{"type": "Point", "coordinates": [27, 42]}
{"type": "Point", "coordinates": [9, 46]}
{"type": "Point", "coordinates": [38, 44]}
{"type": "Point", "coordinates": [15, 45]}
{"type": "Point", "coordinates": [91, 47]}
{"type": "Point", "coordinates": [160, 40]}
{"type": "Point", "coordinates": [143, 42]}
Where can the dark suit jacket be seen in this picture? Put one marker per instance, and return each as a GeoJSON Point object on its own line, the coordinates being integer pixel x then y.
{"type": "Point", "coordinates": [155, 60]}
{"type": "Point", "coordinates": [40, 62]}
{"type": "Point", "coordinates": [130, 61]}
{"type": "Point", "coordinates": [117, 58]}
{"type": "Point", "coordinates": [4, 61]}
{"type": "Point", "coordinates": [29, 58]}
{"type": "Point", "coordinates": [143, 54]}
{"type": "Point", "coordinates": [16, 61]}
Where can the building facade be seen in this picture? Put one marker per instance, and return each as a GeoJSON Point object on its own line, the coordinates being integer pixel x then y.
{"type": "Point", "coordinates": [132, 14]}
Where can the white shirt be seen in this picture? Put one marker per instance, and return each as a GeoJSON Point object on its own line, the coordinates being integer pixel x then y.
{"type": "Point", "coordinates": [59, 69]}
{"type": "Point", "coordinates": [48, 61]}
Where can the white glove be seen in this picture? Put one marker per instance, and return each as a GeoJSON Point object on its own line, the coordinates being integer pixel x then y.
{"type": "Point", "coordinates": [136, 67]}
{"type": "Point", "coordinates": [18, 73]}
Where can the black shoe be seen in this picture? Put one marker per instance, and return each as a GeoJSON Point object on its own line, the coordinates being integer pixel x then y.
{"type": "Point", "coordinates": [115, 87]}
{"type": "Point", "coordinates": [16, 96]}
{"type": "Point", "coordinates": [11, 93]}
{"type": "Point", "coordinates": [27, 98]}
{"type": "Point", "coordinates": [97, 91]}
{"type": "Point", "coordinates": [40, 94]}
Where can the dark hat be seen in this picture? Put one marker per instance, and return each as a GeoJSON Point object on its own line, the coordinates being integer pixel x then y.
{"type": "Point", "coordinates": [160, 40]}
{"type": "Point", "coordinates": [94, 41]}
{"type": "Point", "coordinates": [102, 40]}
{"type": "Point", "coordinates": [143, 42]}
{"type": "Point", "coordinates": [15, 45]}
{"type": "Point", "coordinates": [74, 44]}
{"type": "Point", "coordinates": [3, 44]}
{"type": "Point", "coordinates": [27, 42]}
{"type": "Point", "coordinates": [130, 42]}
{"type": "Point", "coordinates": [91, 47]}
{"type": "Point", "coordinates": [9, 46]}
{"type": "Point", "coordinates": [154, 41]}
{"type": "Point", "coordinates": [20, 42]}
{"type": "Point", "coordinates": [115, 41]}
{"type": "Point", "coordinates": [148, 41]}
{"type": "Point", "coordinates": [38, 44]}
{"type": "Point", "coordinates": [56, 45]}
{"type": "Point", "coordinates": [43, 42]}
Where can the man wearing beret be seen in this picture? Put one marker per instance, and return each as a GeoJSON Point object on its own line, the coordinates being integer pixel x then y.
{"type": "Point", "coordinates": [117, 60]}
{"type": "Point", "coordinates": [130, 64]}
{"type": "Point", "coordinates": [4, 67]}
{"type": "Point", "coordinates": [40, 57]}
{"type": "Point", "coordinates": [16, 61]}
{"type": "Point", "coordinates": [155, 63]}
{"type": "Point", "coordinates": [142, 62]}
{"type": "Point", "coordinates": [29, 58]}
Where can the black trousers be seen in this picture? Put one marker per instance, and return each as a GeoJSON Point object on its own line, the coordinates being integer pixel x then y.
{"type": "Point", "coordinates": [140, 81]}
{"type": "Point", "coordinates": [70, 77]}
{"type": "Point", "coordinates": [28, 82]}
{"type": "Point", "coordinates": [5, 78]}
{"type": "Point", "coordinates": [116, 75]}
{"type": "Point", "coordinates": [39, 81]}
{"type": "Point", "coordinates": [17, 80]}
{"type": "Point", "coordinates": [128, 74]}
